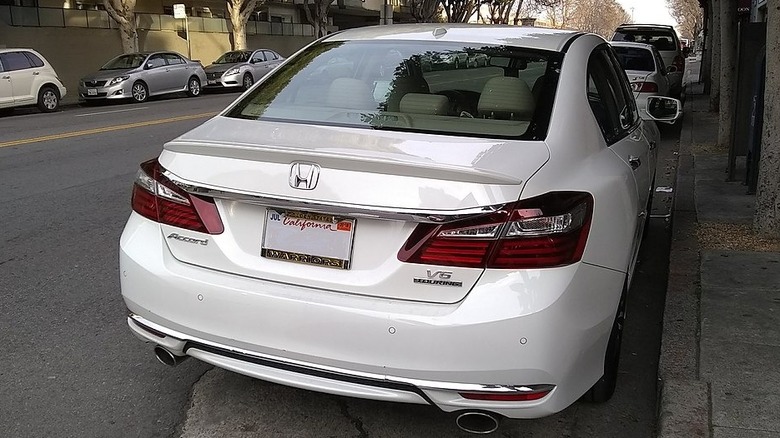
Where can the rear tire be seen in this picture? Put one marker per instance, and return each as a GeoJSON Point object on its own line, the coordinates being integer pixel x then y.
{"type": "Point", "coordinates": [604, 388]}
{"type": "Point", "coordinates": [48, 99]}
{"type": "Point", "coordinates": [193, 87]}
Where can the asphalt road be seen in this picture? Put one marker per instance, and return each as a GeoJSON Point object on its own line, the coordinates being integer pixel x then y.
{"type": "Point", "coordinates": [71, 368]}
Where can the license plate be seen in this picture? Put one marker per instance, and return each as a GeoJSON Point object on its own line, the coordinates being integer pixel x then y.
{"type": "Point", "coordinates": [309, 238]}
{"type": "Point", "coordinates": [92, 92]}
{"type": "Point", "coordinates": [212, 82]}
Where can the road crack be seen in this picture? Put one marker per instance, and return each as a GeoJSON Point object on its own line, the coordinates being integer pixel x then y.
{"type": "Point", "coordinates": [356, 421]}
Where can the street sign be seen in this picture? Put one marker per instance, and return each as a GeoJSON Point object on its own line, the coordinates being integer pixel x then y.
{"type": "Point", "coordinates": [179, 11]}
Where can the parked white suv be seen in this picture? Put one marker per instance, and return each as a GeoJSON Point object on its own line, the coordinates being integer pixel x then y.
{"type": "Point", "coordinates": [26, 78]}
{"type": "Point", "coordinates": [665, 39]}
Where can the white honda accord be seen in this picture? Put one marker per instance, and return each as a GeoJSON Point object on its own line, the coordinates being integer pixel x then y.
{"type": "Point", "coordinates": [361, 226]}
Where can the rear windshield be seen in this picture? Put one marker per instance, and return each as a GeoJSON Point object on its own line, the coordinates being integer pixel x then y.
{"type": "Point", "coordinates": [635, 58]}
{"type": "Point", "coordinates": [662, 40]}
{"type": "Point", "coordinates": [486, 91]}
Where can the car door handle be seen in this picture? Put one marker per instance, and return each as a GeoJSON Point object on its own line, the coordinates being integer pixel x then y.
{"type": "Point", "coordinates": [635, 162]}
{"type": "Point", "coordinates": [36, 73]}
{"type": "Point", "coordinates": [6, 77]}
{"type": "Point", "coordinates": [652, 145]}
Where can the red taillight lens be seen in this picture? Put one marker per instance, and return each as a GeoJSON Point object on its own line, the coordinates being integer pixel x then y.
{"type": "Point", "coordinates": [542, 232]}
{"type": "Point", "coordinates": [157, 198]}
{"type": "Point", "coordinates": [644, 87]}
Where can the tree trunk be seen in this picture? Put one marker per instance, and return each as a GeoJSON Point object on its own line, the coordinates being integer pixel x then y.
{"type": "Point", "coordinates": [767, 220]}
{"type": "Point", "coordinates": [239, 26]}
{"type": "Point", "coordinates": [728, 70]}
{"type": "Point", "coordinates": [123, 13]}
{"type": "Point", "coordinates": [706, 57]}
{"type": "Point", "coordinates": [715, 67]}
{"type": "Point", "coordinates": [127, 32]}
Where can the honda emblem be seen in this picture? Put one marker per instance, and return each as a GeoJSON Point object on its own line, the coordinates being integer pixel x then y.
{"type": "Point", "coordinates": [304, 176]}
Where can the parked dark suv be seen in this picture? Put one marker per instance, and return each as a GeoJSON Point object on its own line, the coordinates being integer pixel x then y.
{"type": "Point", "coordinates": [665, 39]}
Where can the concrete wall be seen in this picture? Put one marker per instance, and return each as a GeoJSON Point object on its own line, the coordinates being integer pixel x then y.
{"type": "Point", "coordinates": [75, 52]}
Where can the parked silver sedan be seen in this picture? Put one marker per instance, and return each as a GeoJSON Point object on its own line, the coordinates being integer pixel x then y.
{"type": "Point", "coordinates": [138, 76]}
{"type": "Point", "coordinates": [241, 68]}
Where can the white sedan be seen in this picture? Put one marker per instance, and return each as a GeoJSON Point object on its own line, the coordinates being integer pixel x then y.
{"type": "Point", "coordinates": [460, 238]}
{"type": "Point", "coordinates": [645, 70]}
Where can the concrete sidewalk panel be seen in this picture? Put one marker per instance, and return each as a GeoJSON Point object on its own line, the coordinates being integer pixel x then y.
{"type": "Point", "coordinates": [740, 269]}
{"type": "Point", "coordinates": [743, 315]}
{"type": "Point", "coordinates": [716, 199]}
{"type": "Point", "coordinates": [745, 384]}
{"type": "Point", "coordinates": [683, 410]}
{"type": "Point", "coordinates": [731, 432]}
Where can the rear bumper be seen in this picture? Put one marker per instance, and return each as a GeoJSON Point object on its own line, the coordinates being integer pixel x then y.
{"type": "Point", "coordinates": [514, 329]}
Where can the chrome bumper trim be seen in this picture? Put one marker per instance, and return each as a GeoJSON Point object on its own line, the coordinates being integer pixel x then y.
{"type": "Point", "coordinates": [359, 211]}
{"type": "Point", "coordinates": [356, 375]}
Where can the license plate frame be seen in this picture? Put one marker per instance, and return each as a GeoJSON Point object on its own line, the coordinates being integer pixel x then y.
{"type": "Point", "coordinates": [308, 238]}
{"type": "Point", "coordinates": [92, 92]}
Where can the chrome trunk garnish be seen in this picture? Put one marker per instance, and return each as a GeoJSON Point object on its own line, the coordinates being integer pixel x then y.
{"type": "Point", "coordinates": [357, 211]}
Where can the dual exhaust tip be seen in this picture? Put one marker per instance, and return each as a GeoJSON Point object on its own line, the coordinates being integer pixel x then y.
{"type": "Point", "coordinates": [475, 422]}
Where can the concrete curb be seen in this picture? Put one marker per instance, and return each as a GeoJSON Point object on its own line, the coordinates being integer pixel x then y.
{"type": "Point", "coordinates": [684, 400]}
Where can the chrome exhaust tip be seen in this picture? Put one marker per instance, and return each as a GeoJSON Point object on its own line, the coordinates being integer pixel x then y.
{"type": "Point", "coordinates": [167, 358]}
{"type": "Point", "coordinates": [481, 423]}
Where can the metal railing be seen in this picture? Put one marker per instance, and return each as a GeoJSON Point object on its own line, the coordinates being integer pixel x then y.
{"type": "Point", "coordinates": [26, 16]}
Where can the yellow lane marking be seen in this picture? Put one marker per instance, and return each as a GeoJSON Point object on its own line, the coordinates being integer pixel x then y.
{"type": "Point", "coordinates": [102, 130]}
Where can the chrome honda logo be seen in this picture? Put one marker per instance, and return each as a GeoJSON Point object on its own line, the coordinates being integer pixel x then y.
{"type": "Point", "coordinates": [304, 176]}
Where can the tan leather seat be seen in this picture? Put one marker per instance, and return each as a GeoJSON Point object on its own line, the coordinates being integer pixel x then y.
{"type": "Point", "coordinates": [417, 103]}
{"type": "Point", "coordinates": [506, 98]}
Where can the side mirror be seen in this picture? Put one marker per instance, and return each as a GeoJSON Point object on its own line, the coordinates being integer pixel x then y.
{"type": "Point", "coordinates": [663, 109]}
{"type": "Point", "coordinates": [149, 65]}
{"type": "Point", "coordinates": [671, 69]}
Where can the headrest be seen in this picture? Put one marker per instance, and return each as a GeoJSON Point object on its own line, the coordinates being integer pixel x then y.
{"type": "Point", "coordinates": [350, 94]}
{"type": "Point", "coordinates": [417, 103]}
{"type": "Point", "coordinates": [506, 98]}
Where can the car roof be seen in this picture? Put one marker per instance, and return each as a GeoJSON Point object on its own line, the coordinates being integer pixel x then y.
{"type": "Point", "coordinates": [645, 26]}
{"type": "Point", "coordinates": [649, 47]}
{"type": "Point", "coordinates": [519, 36]}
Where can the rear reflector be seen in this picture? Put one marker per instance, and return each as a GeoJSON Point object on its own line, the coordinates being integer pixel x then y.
{"type": "Point", "coordinates": [542, 232]}
{"type": "Point", "coordinates": [157, 198]}
{"type": "Point", "coordinates": [511, 396]}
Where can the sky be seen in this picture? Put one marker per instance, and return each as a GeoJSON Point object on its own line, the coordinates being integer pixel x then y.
{"type": "Point", "coordinates": [648, 11]}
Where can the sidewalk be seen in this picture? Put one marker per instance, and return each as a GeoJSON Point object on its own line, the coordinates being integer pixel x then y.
{"type": "Point", "coordinates": [719, 371]}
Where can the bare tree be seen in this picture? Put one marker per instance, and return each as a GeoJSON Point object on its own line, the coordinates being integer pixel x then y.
{"type": "Point", "coordinates": [458, 11]}
{"type": "Point", "coordinates": [559, 14]}
{"type": "Point", "coordinates": [239, 12]}
{"type": "Point", "coordinates": [123, 12]}
{"type": "Point", "coordinates": [728, 70]}
{"type": "Point", "coordinates": [424, 11]}
{"type": "Point", "coordinates": [689, 16]}
{"type": "Point", "coordinates": [767, 220]}
{"type": "Point", "coordinates": [317, 14]}
{"type": "Point", "coordinates": [596, 16]}
{"type": "Point", "coordinates": [715, 60]}
{"type": "Point", "coordinates": [499, 10]}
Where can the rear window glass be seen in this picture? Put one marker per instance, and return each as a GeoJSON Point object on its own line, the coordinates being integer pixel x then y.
{"type": "Point", "coordinates": [662, 40]}
{"type": "Point", "coordinates": [35, 60]}
{"type": "Point", "coordinates": [634, 58]}
{"type": "Point", "coordinates": [486, 91]}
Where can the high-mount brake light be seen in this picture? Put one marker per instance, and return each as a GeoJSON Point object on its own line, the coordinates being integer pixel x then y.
{"type": "Point", "coordinates": [542, 232]}
{"type": "Point", "coordinates": [159, 199]}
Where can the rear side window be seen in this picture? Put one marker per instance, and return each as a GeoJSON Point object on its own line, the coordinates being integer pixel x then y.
{"type": "Point", "coordinates": [434, 87]}
{"type": "Point", "coordinates": [662, 40]}
{"type": "Point", "coordinates": [34, 60]}
{"type": "Point", "coordinates": [15, 61]}
{"type": "Point", "coordinates": [172, 59]}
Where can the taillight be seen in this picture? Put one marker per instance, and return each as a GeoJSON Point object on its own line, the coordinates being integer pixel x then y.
{"type": "Point", "coordinates": [644, 87]}
{"type": "Point", "coordinates": [157, 198]}
{"type": "Point", "coordinates": [542, 232]}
